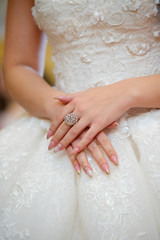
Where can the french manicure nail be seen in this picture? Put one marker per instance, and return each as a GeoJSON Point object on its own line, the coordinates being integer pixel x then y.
{"type": "Point", "coordinates": [51, 145]}
{"type": "Point", "coordinates": [88, 171]}
{"type": "Point", "coordinates": [76, 150]}
{"type": "Point", "coordinates": [58, 148]}
{"type": "Point", "coordinates": [49, 134]}
{"type": "Point", "coordinates": [114, 159]}
{"type": "Point", "coordinates": [105, 168]}
{"type": "Point", "coordinates": [116, 124]}
{"type": "Point", "coordinates": [77, 168]}
{"type": "Point", "coordinates": [56, 98]}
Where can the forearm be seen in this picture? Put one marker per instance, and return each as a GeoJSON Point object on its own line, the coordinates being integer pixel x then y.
{"type": "Point", "coordinates": [31, 91]}
{"type": "Point", "coordinates": [143, 91]}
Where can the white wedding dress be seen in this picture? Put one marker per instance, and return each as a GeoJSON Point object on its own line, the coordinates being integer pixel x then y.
{"type": "Point", "coordinates": [95, 43]}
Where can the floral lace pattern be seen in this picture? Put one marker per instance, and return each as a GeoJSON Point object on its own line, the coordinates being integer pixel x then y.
{"type": "Point", "coordinates": [94, 43]}
{"type": "Point", "coordinates": [44, 187]}
{"type": "Point", "coordinates": [85, 35]}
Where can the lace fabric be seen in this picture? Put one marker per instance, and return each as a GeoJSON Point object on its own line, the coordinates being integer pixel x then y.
{"type": "Point", "coordinates": [86, 35]}
{"type": "Point", "coordinates": [94, 43]}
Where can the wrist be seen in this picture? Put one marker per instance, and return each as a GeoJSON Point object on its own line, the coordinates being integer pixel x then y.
{"type": "Point", "coordinates": [52, 104]}
{"type": "Point", "coordinates": [131, 93]}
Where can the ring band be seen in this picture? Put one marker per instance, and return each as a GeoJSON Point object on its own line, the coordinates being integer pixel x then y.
{"type": "Point", "coordinates": [71, 119]}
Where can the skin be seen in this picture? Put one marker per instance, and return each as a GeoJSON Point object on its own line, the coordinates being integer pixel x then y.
{"type": "Point", "coordinates": [23, 70]}
{"type": "Point", "coordinates": [99, 107]}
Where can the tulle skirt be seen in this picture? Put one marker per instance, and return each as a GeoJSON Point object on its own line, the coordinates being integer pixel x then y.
{"type": "Point", "coordinates": [43, 198]}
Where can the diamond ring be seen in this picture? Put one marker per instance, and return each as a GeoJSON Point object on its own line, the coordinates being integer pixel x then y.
{"type": "Point", "coordinates": [71, 119]}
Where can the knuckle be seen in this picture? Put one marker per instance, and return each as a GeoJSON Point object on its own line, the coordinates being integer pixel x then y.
{"type": "Point", "coordinates": [99, 136]}
{"type": "Point", "coordinates": [90, 136]}
{"type": "Point", "coordinates": [103, 140]}
{"type": "Point", "coordinates": [100, 122]}
{"type": "Point", "coordinates": [64, 112]}
{"type": "Point", "coordinates": [96, 127]}
{"type": "Point", "coordinates": [81, 109]}
{"type": "Point", "coordinates": [66, 141]}
{"type": "Point", "coordinates": [91, 116]}
{"type": "Point", "coordinates": [61, 115]}
{"type": "Point", "coordinates": [73, 132]}
{"type": "Point", "coordinates": [82, 161]}
{"type": "Point", "coordinates": [92, 148]}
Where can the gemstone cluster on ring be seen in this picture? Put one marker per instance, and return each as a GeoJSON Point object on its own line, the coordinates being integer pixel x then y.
{"type": "Point", "coordinates": [71, 119]}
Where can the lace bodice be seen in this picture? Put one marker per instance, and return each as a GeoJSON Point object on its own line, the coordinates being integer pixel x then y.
{"type": "Point", "coordinates": [99, 42]}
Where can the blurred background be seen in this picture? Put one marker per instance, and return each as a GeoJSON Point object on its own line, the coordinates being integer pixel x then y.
{"type": "Point", "coordinates": [9, 109]}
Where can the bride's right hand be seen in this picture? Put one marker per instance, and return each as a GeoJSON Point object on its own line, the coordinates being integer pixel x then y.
{"type": "Point", "coordinates": [100, 142]}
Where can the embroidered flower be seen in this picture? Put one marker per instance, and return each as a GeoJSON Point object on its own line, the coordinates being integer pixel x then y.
{"type": "Point", "coordinates": [110, 37]}
{"type": "Point", "coordinates": [148, 11]}
{"type": "Point", "coordinates": [132, 5]}
{"type": "Point", "coordinates": [69, 28]}
{"type": "Point", "coordinates": [116, 18]}
{"type": "Point", "coordinates": [87, 54]}
{"type": "Point", "coordinates": [139, 46]}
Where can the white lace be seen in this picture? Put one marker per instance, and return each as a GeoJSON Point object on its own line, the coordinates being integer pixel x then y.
{"type": "Point", "coordinates": [85, 35]}
{"type": "Point", "coordinates": [94, 43]}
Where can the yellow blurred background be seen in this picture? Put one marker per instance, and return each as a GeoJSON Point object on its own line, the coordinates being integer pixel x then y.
{"type": "Point", "coordinates": [9, 110]}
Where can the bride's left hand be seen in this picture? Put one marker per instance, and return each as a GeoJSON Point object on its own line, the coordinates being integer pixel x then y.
{"type": "Point", "coordinates": [96, 107]}
{"type": "Point", "coordinates": [95, 149]}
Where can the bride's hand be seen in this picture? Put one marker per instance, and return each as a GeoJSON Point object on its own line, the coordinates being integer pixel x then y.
{"type": "Point", "coordinates": [95, 148]}
{"type": "Point", "coordinates": [80, 160]}
{"type": "Point", "coordinates": [96, 108]}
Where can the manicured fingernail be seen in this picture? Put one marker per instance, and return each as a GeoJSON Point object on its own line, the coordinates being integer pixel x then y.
{"type": "Point", "coordinates": [76, 150]}
{"type": "Point", "coordinates": [51, 145]}
{"type": "Point", "coordinates": [88, 171]}
{"type": "Point", "coordinates": [77, 168]}
{"type": "Point", "coordinates": [49, 134]}
{"type": "Point", "coordinates": [56, 98]}
{"type": "Point", "coordinates": [58, 148]}
{"type": "Point", "coordinates": [115, 124]}
{"type": "Point", "coordinates": [114, 159]}
{"type": "Point", "coordinates": [105, 168]}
